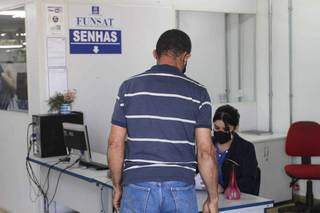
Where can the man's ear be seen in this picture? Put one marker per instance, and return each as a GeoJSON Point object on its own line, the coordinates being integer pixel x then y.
{"type": "Point", "coordinates": [186, 57]}
{"type": "Point", "coordinates": [155, 55]}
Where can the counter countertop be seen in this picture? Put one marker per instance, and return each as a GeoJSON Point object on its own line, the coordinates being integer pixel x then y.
{"type": "Point", "coordinates": [257, 138]}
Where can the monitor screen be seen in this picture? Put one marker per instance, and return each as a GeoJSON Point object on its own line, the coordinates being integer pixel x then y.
{"type": "Point", "coordinates": [75, 136]}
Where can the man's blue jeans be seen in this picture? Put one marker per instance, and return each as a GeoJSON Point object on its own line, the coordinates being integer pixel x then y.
{"type": "Point", "coordinates": [159, 197]}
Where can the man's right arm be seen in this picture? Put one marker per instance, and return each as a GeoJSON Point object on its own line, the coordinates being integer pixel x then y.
{"type": "Point", "coordinates": [207, 165]}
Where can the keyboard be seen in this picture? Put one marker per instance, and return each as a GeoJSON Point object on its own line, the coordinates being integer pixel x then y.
{"type": "Point", "coordinates": [92, 164]}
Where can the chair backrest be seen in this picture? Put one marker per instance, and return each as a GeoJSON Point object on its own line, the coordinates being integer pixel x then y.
{"type": "Point", "coordinates": [303, 139]}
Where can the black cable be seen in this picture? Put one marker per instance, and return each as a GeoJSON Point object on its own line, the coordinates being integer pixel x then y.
{"type": "Point", "coordinates": [43, 189]}
{"type": "Point", "coordinates": [47, 181]}
{"type": "Point", "coordinates": [28, 165]}
{"type": "Point", "coordinates": [57, 184]}
{"type": "Point", "coordinates": [102, 207]}
{"type": "Point", "coordinates": [29, 169]}
{"type": "Point", "coordinates": [49, 170]}
{"type": "Point", "coordinates": [31, 187]}
{"type": "Point", "coordinates": [32, 175]}
{"type": "Point", "coordinates": [35, 180]}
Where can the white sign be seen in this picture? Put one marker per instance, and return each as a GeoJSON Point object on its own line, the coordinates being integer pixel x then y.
{"type": "Point", "coordinates": [55, 20]}
{"type": "Point", "coordinates": [56, 48]}
{"type": "Point", "coordinates": [93, 31]}
{"type": "Point", "coordinates": [58, 81]}
{"type": "Point", "coordinates": [56, 60]}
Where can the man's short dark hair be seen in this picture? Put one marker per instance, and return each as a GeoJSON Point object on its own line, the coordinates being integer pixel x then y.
{"type": "Point", "coordinates": [174, 41]}
{"type": "Point", "coordinates": [228, 114]}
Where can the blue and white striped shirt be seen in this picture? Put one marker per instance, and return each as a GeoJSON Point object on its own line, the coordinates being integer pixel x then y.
{"type": "Point", "coordinates": [161, 108]}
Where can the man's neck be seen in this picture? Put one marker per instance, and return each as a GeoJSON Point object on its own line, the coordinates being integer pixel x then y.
{"type": "Point", "coordinates": [167, 60]}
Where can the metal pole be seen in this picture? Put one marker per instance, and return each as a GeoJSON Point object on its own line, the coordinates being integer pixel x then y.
{"type": "Point", "coordinates": [270, 64]}
{"type": "Point", "coordinates": [239, 59]}
{"type": "Point", "coordinates": [177, 19]}
{"type": "Point", "coordinates": [255, 59]}
{"type": "Point", "coordinates": [290, 8]}
{"type": "Point", "coordinates": [226, 57]}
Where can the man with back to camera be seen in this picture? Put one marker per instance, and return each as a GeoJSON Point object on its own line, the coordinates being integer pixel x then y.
{"type": "Point", "coordinates": [162, 114]}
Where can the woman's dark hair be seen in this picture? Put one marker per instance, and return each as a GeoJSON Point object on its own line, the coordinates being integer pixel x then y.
{"type": "Point", "coordinates": [228, 114]}
{"type": "Point", "coordinates": [175, 41]}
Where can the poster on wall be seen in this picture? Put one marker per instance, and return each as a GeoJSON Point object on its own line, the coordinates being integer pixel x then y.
{"type": "Point", "coordinates": [93, 31]}
{"type": "Point", "coordinates": [56, 49]}
{"type": "Point", "coordinates": [58, 81]}
{"type": "Point", "coordinates": [55, 20]}
{"type": "Point", "coordinates": [56, 60]}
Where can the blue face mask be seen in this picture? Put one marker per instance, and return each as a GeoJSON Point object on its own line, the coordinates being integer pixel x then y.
{"type": "Point", "coordinates": [221, 137]}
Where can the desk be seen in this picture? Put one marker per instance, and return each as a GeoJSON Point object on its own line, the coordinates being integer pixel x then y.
{"type": "Point", "coordinates": [80, 189]}
{"type": "Point", "coordinates": [247, 203]}
{"type": "Point", "coordinates": [90, 191]}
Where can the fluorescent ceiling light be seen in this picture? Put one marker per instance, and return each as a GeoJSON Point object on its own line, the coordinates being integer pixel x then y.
{"type": "Point", "coordinates": [14, 13]}
{"type": "Point", "coordinates": [10, 46]}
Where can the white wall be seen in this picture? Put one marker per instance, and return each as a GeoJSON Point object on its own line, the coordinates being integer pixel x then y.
{"type": "Point", "coordinates": [262, 65]}
{"type": "Point", "coordinates": [98, 77]}
{"type": "Point", "coordinates": [248, 114]}
{"type": "Point", "coordinates": [230, 6]}
{"type": "Point", "coordinates": [8, 4]}
{"type": "Point", "coordinates": [106, 82]}
{"type": "Point", "coordinates": [306, 63]}
{"type": "Point", "coordinates": [241, 30]}
{"type": "Point", "coordinates": [233, 36]}
{"type": "Point", "coordinates": [97, 101]}
{"type": "Point", "coordinates": [280, 66]}
{"type": "Point", "coordinates": [14, 193]}
{"type": "Point", "coordinates": [207, 62]}
{"type": "Point", "coordinates": [306, 76]}
{"type": "Point", "coordinates": [248, 63]}
{"type": "Point", "coordinates": [306, 49]}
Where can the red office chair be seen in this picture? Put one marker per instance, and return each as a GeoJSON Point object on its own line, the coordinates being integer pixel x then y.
{"type": "Point", "coordinates": [303, 140]}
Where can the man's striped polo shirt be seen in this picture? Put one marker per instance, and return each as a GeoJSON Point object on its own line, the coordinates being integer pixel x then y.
{"type": "Point", "coordinates": [161, 108]}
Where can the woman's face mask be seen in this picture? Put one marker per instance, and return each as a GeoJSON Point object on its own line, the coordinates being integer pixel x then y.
{"type": "Point", "coordinates": [222, 133]}
{"type": "Point", "coordinates": [221, 137]}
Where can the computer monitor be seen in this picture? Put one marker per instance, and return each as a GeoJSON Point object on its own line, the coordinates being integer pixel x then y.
{"type": "Point", "coordinates": [76, 138]}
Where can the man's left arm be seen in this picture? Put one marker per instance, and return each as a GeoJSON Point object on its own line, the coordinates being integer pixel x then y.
{"type": "Point", "coordinates": [116, 148]}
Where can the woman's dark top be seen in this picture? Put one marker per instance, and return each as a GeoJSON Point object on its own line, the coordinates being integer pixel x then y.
{"type": "Point", "coordinates": [247, 173]}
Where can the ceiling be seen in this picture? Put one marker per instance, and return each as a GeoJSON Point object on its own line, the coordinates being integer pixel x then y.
{"type": "Point", "coordinates": [11, 26]}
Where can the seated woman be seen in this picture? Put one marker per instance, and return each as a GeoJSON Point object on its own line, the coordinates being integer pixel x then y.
{"type": "Point", "coordinates": [232, 149]}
